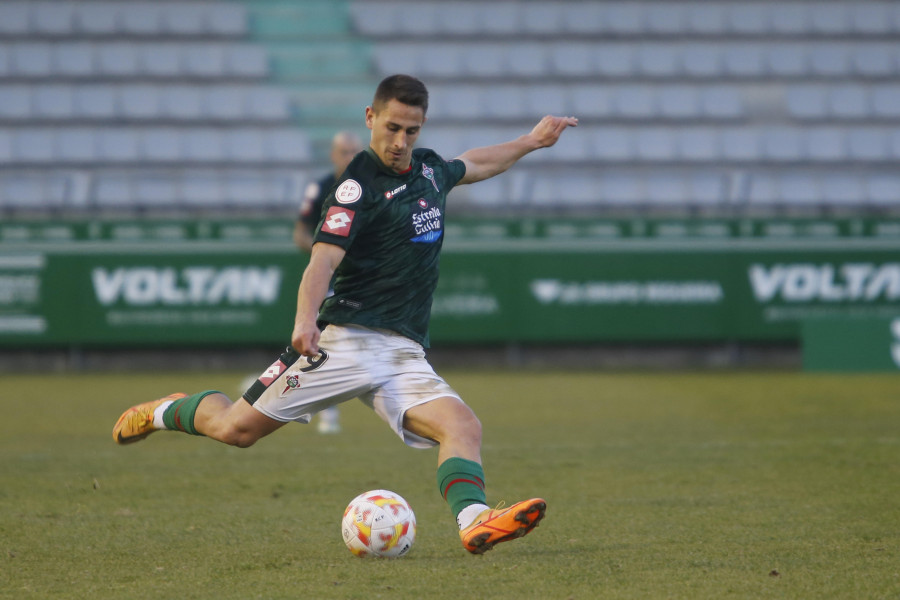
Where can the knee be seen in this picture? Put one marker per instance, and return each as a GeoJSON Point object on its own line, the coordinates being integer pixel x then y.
{"type": "Point", "coordinates": [238, 437]}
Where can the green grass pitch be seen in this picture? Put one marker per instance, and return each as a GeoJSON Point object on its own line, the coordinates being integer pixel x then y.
{"type": "Point", "coordinates": [659, 485]}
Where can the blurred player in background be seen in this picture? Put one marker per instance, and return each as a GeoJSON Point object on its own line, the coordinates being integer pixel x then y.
{"type": "Point", "coordinates": [344, 146]}
{"type": "Point", "coordinates": [381, 233]}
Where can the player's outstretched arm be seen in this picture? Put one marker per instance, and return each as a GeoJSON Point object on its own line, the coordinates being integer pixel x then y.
{"type": "Point", "coordinates": [324, 260]}
{"type": "Point", "coordinates": [487, 161]}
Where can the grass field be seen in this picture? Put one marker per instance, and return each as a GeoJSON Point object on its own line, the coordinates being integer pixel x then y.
{"type": "Point", "coordinates": [659, 485]}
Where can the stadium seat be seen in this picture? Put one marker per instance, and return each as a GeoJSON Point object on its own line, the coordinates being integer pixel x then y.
{"type": "Point", "coordinates": [34, 146]}
{"type": "Point", "coordinates": [52, 18]}
{"type": "Point", "coordinates": [540, 18]}
{"type": "Point", "coordinates": [14, 18]}
{"type": "Point", "coordinates": [614, 60]}
{"type": "Point", "coordinates": [849, 102]}
{"type": "Point", "coordinates": [874, 60]}
{"type": "Point", "coordinates": [884, 190]}
{"type": "Point", "coordinates": [527, 60]}
{"type": "Point", "coordinates": [205, 61]}
{"type": "Point", "coordinates": [245, 146]}
{"type": "Point", "coordinates": [666, 189]}
{"type": "Point", "coordinates": [830, 60]}
{"type": "Point", "coordinates": [118, 145]}
{"type": "Point", "coordinates": [665, 19]}
{"type": "Point", "coordinates": [799, 189]}
{"type": "Point", "coordinates": [706, 189]}
{"type": "Point", "coordinates": [625, 18]}
{"type": "Point", "coordinates": [483, 60]}
{"type": "Point", "coordinates": [702, 61]}
{"type": "Point", "coordinates": [53, 102]}
{"type": "Point", "coordinates": [267, 104]}
{"type": "Point", "coordinates": [162, 61]}
{"type": "Point", "coordinates": [547, 100]}
{"type": "Point", "coordinates": [204, 146]}
{"type": "Point", "coordinates": [680, 102]}
{"type": "Point", "coordinates": [613, 145]}
{"type": "Point", "coordinates": [225, 103]}
{"type": "Point", "coordinates": [225, 19]}
{"type": "Point", "coordinates": [153, 190]}
{"type": "Point", "coordinates": [572, 59]}
{"type": "Point", "coordinates": [31, 60]}
{"type": "Point", "coordinates": [635, 102]}
{"type": "Point", "coordinates": [655, 145]}
{"type": "Point", "coordinates": [787, 60]}
{"type": "Point", "coordinates": [620, 189]}
{"type": "Point", "coordinates": [749, 18]}
{"type": "Point", "coordinates": [745, 61]}
{"type": "Point", "coordinates": [763, 190]}
{"type": "Point", "coordinates": [658, 61]}
{"type": "Point", "coordinates": [782, 145]}
{"type": "Point", "coordinates": [704, 19]}
{"type": "Point", "coordinates": [139, 102]}
{"type": "Point", "coordinates": [74, 60]}
{"type": "Point", "coordinates": [871, 18]}
{"type": "Point", "coordinates": [886, 101]}
{"type": "Point", "coordinates": [97, 18]}
{"type": "Point", "coordinates": [721, 102]}
{"type": "Point", "coordinates": [15, 102]}
{"type": "Point", "coordinates": [841, 189]}
{"type": "Point", "coordinates": [95, 102]}
{"type": "Point", "coordinates": [141, 18]}
{"type": "Point", "coordinates": [592, 101]}
{"type": "Point", "coordinates": [287, 146]}
{"type": "Point", "coordinates": [505, 102]}
{"type": "Point", "coordinates": [498, 18]}
{"type": "Point", "coordinates": [160, 144]}
{"type": "Point", "coordinates": [825, 145]}
{"type": "Point", "coordinates": [740, 144]}
{"type": "Point", "coordinates": [200, 189]}
{"type": "Point", "coordinates": [807, 102]}
{"type": "Point", "coordinates": [117, 60]}
{"type": "Point", "coordinates": [867, 145]}
{"type": "Point", "coordinates": [76, 146]}
{"type": "Point", "coordinates": [789, 18]}
{"type": "Point", "coordinates": [697, 144]}
{"type": "Point", "coordinates": [182, 103]}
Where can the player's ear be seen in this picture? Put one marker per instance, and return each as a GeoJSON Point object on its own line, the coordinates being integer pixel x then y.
{"type": "Point", "coordinates": [370, 117]}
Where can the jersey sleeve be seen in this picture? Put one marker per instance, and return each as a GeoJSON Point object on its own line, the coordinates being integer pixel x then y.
{"type": "Point", "coordinates": [454, 170]}
{"type": "Point", "coordinates": [345, 212]}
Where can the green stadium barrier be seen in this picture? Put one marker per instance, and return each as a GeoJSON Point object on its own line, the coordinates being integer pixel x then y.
{"type": "Point", "coordinates": [210, 282]}
{"type": "Point", "coordinates": [848, 344]}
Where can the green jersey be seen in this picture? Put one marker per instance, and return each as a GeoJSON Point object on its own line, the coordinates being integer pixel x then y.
{"type": "Point", "coordinates": [391, 226]}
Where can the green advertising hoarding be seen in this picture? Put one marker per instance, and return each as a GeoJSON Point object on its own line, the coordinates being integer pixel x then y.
{"type": "Point", "coordinates": [206, 283]}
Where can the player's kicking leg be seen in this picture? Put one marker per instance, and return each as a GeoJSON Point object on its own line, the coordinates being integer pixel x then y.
{"type": "Point", "coordinates": [208, 413]}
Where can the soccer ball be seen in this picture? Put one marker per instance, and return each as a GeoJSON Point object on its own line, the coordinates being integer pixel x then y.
{"type": "Point", "coordinates": [379, 523]}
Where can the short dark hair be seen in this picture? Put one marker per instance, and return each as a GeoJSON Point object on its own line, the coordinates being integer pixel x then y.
{"type": "Point", "coordinates": [403, 88]}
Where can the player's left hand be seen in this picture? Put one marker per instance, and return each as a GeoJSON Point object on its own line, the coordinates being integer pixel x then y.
{"type": "Point", "coordinates": [547, 132]}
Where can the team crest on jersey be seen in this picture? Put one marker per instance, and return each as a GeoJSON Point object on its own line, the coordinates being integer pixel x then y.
{"type": "Point", "coordinates": [394, 192]}
{"type": "Point", "coordinates": [292, 382]}
{"type": "Point", "coordinates": [423, 203]}
{"type": "Point", "coordinates": [428, 173]}
{"type": "Point", "coordinates": [348, 192]}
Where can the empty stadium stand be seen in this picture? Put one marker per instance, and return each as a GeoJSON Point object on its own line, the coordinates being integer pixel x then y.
{"type": "Point", "coordinates": [722, 105]}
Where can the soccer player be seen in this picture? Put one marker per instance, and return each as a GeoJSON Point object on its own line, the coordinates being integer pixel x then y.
{"type": "Point", "coordinates": [344, 146]}
{"type": "Point", "coordinates": [381, 234]}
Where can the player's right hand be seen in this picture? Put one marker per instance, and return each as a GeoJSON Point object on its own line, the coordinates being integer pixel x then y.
{"type": "Point", "coordinates": [305, 338]}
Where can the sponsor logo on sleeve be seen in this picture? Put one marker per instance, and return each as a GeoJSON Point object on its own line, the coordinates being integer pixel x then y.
{"type": "Point", "coordinates": [338, 221]}
{"type": "Point", "coordinates": [348, 192]}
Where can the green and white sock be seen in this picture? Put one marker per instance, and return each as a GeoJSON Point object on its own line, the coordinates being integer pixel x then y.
{"type": "Point", "coordinates": [461, 482]}
{"type": "Point", "coordinates": [179, 414]}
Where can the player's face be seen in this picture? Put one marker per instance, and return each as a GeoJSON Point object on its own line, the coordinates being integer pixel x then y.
{"type": "Point", "coordinates": [395, 129]}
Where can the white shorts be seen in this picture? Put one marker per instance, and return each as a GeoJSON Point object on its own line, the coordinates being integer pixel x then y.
{"type": "Point", "coordinates": [386, 370]}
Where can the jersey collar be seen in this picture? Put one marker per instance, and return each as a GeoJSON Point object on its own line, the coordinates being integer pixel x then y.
{"type": "Point", "coordinates": [387, 170]}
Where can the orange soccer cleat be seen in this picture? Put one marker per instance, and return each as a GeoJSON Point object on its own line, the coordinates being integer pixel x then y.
{"type": "Point", "coordinates": [136, 423]}
{"type": "Point", "coordinates": [496, 525]}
